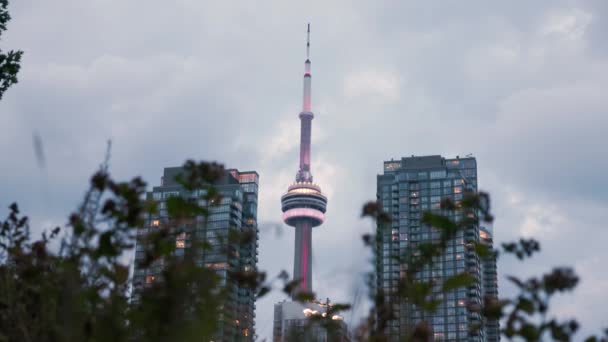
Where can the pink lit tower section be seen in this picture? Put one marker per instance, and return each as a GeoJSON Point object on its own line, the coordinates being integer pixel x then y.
{"type": "Point", "coordinates": [304, 205]}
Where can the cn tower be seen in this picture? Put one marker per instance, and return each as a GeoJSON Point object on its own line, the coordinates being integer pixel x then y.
{"type": "Point", "coordinates": [304, 205]}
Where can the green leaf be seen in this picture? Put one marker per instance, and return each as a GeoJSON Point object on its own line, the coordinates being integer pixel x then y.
{"type": "Point", "coordinates": [482, 250]}
{"type": "Point", "coordinates": [439, 221]}
{"type": "Point", "coordinates": [263, 291]}
{"type": "Point", "coordinates": [179, 207]}
{"type": "Point", "coordinates": [526, 305]}
{"type": "Point", "coordinates": [121, 273]}
{"type": "Point", "coordinates": [106, 246]}
{"type": "Point", "coordinates": [304, 297]}
{"type": "Point", "coordinates": [460, 280]}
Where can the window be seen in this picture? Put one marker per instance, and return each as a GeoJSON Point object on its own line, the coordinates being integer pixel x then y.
{"type": "Point", "coordinates": [150, 279]}
{"type": "Point", "coordinates": [452, 163]}
{"type": "Point", "coordinates": [248, 178]}
{"type": "Point", "coordinates": [391, 166]}
{"type": "Point", "coordinates": [168, 194]}
{"type": "Point", "coordinates": [155, 223]}
{"type": "Point", "coordinates": [250, 187]}
{"type": "Point", "coordinates": [438, 174]}
{"type": "Point", "coordinates": [180, 240]}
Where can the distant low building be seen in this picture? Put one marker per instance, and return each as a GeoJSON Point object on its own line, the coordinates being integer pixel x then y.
{"type": "Point", "coordinates": [295, 321]}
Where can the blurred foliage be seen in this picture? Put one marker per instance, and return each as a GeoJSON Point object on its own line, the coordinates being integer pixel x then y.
{"type": "Point", "coordinates": [9, 60]}
{"type": "Point", "coordinates": [73, 284]}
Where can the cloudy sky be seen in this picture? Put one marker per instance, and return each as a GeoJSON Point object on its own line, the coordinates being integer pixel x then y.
{"type": "Point", "coordinates": [519, 84]}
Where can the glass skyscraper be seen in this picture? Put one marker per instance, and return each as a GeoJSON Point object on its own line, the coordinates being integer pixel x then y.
{"type": "Point", "coordinates": [237, 210]}
{"type": "Point", "coordinates": [407, 188]}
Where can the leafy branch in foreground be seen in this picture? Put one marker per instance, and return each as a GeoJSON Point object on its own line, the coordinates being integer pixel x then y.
{"type": "Point", "coordinates": [9, 61]}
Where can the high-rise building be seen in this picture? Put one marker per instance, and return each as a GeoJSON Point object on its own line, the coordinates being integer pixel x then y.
{"type": "Point", "coordinates": [304, 208]}
{"type": "Point", "coordinates": [407, 188]}
{"type": "Point", "coordinates": [237, 210]}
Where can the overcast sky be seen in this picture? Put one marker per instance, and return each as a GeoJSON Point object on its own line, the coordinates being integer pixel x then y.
{"type": "Point", "coordinates": [522, 85]}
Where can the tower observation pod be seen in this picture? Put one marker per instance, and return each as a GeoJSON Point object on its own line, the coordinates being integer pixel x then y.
{"type": "Point", "coordinates": [304, 204]}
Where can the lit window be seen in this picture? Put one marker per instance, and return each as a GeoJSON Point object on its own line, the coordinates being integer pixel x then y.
{"type": "Point", "coordinates": [155, 223]}
{"type": "Point", "coordinates": [150, 279]}
{"type": "Point", "coordinates": [392, 166]}
{"type": "Point", "coordinates": [217, 265]}
{"type": "Point", "coordinates": [248, 178]}
{"type": "Point", "coordinates": [305, 191]}
{"type": "Point", "coordinates": [483, 234]}
{"type": "Point", "coordinates": [180, 240]}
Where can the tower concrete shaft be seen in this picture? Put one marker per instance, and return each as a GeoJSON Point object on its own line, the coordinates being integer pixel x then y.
{"type": "Point", "coordinates": [302, 260]}
{"type": "Point", "coordinates": [304, 205]}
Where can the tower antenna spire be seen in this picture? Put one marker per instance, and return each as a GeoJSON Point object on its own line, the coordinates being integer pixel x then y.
{"type": "Point", "coordinates": [308, 42]}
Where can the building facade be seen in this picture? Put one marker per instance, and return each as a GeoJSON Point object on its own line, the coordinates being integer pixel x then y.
{"type": "Point", "coordinates": [237, 210]}
{"type": "Point", "coordinates": [406, 189]}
